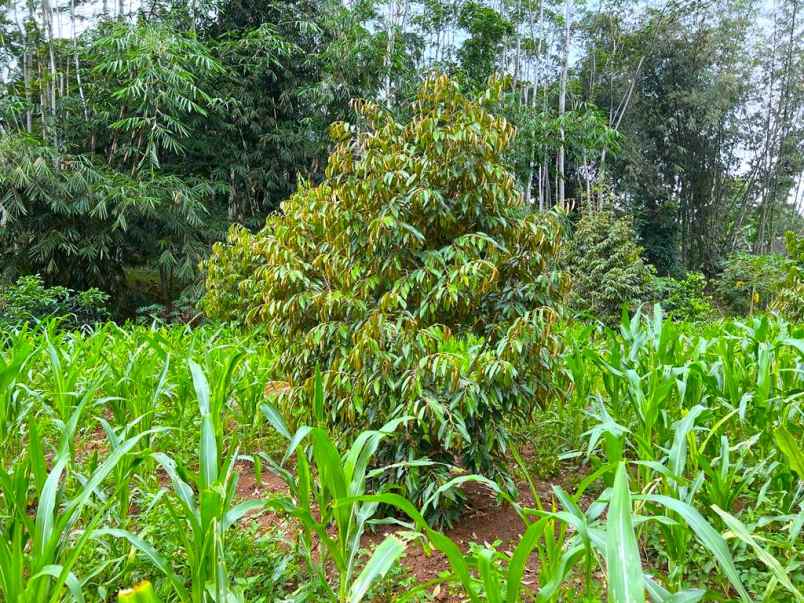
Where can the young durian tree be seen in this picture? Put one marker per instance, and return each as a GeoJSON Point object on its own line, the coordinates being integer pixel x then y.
{"type": "Point", "coordinates": [605, 261]}
{"type": "Point", "coordinates": [789, 299]}
{"type": "Point", "coordinates": [417, 279]}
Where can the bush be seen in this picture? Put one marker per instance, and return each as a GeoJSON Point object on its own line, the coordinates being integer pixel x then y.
{"type": "Point", "coordinates": [789, 300]}
{"type": "Point", "coordinates": [232, 292]}
{"type": "Point", "coordinates": [685, 299]}
{"type": "Point", "coordinates": [419, 282]}
{"type": "Point", "coordinates": [28, 300]}
{"type": "Point", "coordinates": [749, 282]}
{"type": "Point", "coordinates": [607, 266]}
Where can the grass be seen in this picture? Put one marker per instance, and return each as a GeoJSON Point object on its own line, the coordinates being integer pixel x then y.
{"type": "Point", "coordinates": [121, 449]}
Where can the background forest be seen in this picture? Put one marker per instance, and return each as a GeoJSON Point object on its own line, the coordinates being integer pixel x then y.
{"type": "Point", "coordinates": [421, 300]}
{"type": "Point", "coordinates": [132, 134]}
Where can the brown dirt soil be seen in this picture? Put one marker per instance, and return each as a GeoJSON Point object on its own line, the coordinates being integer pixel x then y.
{"type": "Point", "coordinates": [485, 520]}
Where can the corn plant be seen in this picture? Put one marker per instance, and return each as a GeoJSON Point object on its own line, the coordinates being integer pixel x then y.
{"type": "Point", "coordinates": [203, 519]}
{"type": "Point", "coordinates": [15, 351]}
{"type": "Point", "coordinates": [323, 491]}
{"type": "Point", "coordinates": [609, 543]}
{"type": "Point", "coordinates": [134, 386]}
{"type": "Point", "coordinates": [780, 574]}
{"type": "Point", "coordinates": [37, 555]}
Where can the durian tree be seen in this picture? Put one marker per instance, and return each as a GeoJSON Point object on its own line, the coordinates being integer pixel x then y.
{"type": "Point", "coordinates": [606, 264]}
{"type": "Point", "coordinates": [789, 299]}
{"type": "Point", "coordinates": [417, 279]}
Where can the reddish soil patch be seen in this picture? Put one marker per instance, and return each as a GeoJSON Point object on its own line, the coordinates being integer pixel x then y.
{"type": "Point", "coordinates": [485, 520]}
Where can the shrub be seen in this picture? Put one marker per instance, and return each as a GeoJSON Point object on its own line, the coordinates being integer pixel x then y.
{"type": "Point", "coordinates": [418, 281]}
{"type": "Point", "coordinates": [231, 290]}
{"type": "Point", "coordinates": [790, 298]}
{"type": "Point", "coordinates": [685, 299]}
{"type": "Point", "coordinates": [29, 300]}
{"type": "Point", "coordinates": [749, 282]}
{"type": "Point", "coordinates": [607, 266]}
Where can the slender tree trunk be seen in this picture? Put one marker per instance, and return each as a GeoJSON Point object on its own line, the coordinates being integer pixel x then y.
{"type": "Point", "coordinates": [531, 104]}
{"type": "Point", "coordinates": [26, 70]}
{"type": "Point", "coordinates": [390, 27]}
{"type": "Point", "coordinates": [562, 100]}
{"type": "Point", "coordinates": [47, 18]}
{"type": "Point", "coordinates": [77, 62]}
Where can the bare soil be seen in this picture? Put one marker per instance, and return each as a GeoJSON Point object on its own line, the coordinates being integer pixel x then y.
{"type": "Point", "coordinates": [484, 521]}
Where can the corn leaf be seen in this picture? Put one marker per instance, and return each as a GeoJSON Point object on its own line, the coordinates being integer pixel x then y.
{"type": "Point", "coordinates": [626, 584]}
{"type": "Point", "coordinates": [378, 565]}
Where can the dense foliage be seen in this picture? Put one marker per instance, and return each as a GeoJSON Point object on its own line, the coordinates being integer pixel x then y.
{"type": "Point", "coordinates": [685, 298]}
{"type": "Point", "coordinates": [749, 282]}
{"type": "Point", "coordinates": [29, 301]}
{"type": "Point", "coordinates": [606, 265]}
{"type": "Point", "coordinates": [133, 135]}
{"type": "Point", "coordinates": [415, 278]}
{"type": "Point", "coordinates": [389, 204]}
{"type": "Point", "coordinates": [142, 453]}
{"type": "Point", "coordinates": [789, 299]}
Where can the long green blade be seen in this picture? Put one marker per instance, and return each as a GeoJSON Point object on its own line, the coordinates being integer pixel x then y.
{"type": "Point", "coordinates": [626, 584]}
{"type": "Point", "coordinates": [381, 561]}
{"type": "Point", "coordinates": [707, 535]}
{"type": "Point", "coordinates": [740, 531]}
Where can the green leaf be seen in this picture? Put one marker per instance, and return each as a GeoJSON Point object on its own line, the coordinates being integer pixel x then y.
{"type": "Point", "coordinates": [72, 582]}
{"type": "Point", "coordinates": [626, 584]}
{"type": "Point", "coordinates": [208, 451]}
{"type": "Point", "coordinates": [519, 560]}
{"type": "Point", "coordinates": [275, 419]}
{"type": "Point", "coordinates": [318, 398]}
{"type": "Point", "coordinates": [740, 531]}
{"type": "Point", "coordinates": [201, 386]}
{"type": "Point", "coordinates": [791, 450]}
{"type": "Point", "coordinates": [151, 554]}
{"type": "Point", "coordinates": [378, 565]}
{"type": "Point", "coordinates": [706, 534]}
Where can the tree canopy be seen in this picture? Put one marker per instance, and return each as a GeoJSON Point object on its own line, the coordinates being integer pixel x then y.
{"type": "Point", "coordinates": [134, 134]}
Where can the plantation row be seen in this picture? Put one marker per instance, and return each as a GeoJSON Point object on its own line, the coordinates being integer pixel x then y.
{"type": "Point", "coordinates": [124, 451]}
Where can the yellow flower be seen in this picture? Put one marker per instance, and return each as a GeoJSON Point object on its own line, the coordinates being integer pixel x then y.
{"type": "Point", "coordinates": [141, 593]}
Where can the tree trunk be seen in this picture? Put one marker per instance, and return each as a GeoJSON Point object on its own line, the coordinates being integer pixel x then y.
{"type": "Point", "coordinates": [562, 100]}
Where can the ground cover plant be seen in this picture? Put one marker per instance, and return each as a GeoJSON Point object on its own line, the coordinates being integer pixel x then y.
{"type": "Point", "coordinates": [147, 453]}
